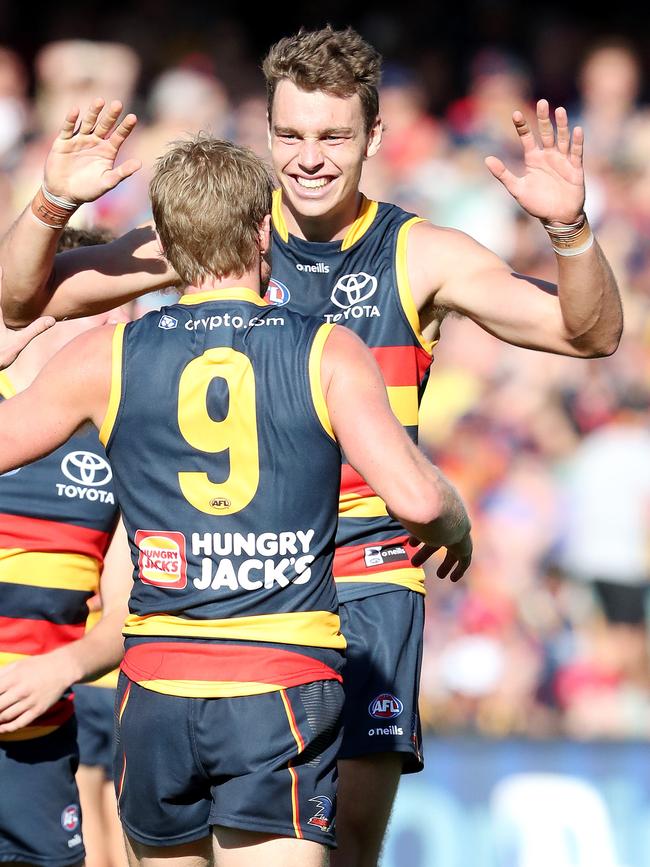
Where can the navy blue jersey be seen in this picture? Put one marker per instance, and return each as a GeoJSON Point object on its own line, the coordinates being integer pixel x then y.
{"type": "Point", "coordinates": [218, 434]}
{"type": "Point", "coordinates": [57, 516]}
{"type": "Point", "coordinates": [362, 282]}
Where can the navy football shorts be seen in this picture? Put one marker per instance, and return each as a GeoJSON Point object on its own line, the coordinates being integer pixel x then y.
{"type": "Point", "coordinates": [263, 763]}
{"type": "Point", "coordinates": [382, 676]}
{"type": "Point", "coordinates": [95, 720]}
{"type": "Point", "coordinates": [40, 817]}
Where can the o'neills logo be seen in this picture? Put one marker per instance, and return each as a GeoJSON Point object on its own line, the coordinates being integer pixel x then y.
{"type": "Point", "coordinates": [162, 560]}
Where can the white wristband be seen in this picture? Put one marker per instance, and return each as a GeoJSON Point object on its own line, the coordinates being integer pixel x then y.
{"type": "Point", "coordinates": [575, 251]}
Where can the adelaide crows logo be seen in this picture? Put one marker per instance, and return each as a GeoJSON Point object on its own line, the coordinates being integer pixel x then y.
{"type": "Point", "coordinates": [323, 817]}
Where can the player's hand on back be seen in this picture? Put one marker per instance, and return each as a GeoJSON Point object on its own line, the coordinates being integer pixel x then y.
{"type": "Point", "coordinates": [552, 186]}
{"type": "Point", "coordinates": [456, 561]}
{"type": "Point", "coordinates": [12, 343]}
{"type": "Point", "coordinates": [80, 166]}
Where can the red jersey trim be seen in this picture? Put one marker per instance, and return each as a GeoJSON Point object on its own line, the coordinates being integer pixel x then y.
{"type": "Point", "coordinates": [51, 537]}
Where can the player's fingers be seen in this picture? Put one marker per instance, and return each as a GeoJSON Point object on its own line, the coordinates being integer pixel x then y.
{"type": "Point", "coordinates": [22, 718]}
{"type": "Point", "coordinates": [423, 554]}
{"type": "Point", "coordinates": [524, 132]}
{"type": "Point", "coordinates": [563, 134]}
{"type": "Point", "coordinates": [89, 119]}
{"type": "Point", "coordinates": [544, 124]}
{"type": "Point", "coordinates": [115, 176]}
{"type": "Point", "coordinates": [69, 124]}
{"type": "Point", "coordinates": [501, 173]}
{"type": "Point", "coordinates": [12, 703]}
{"type": "Point", "coordinates": [123, 131]}
{"type": "Point", "coordinates": [445, 566]}
{"type": "Point", "coordinates": [459, 571]}
{"type": "Point", "coordinates": [577, 145]}
{"type": "Point", "coordinates": [108, 118]}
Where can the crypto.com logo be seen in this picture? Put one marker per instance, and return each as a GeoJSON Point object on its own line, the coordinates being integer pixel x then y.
{"type": "Point", "coordinates": [86, 468]}
{"type": "Point", "coordinates": [352, 289]}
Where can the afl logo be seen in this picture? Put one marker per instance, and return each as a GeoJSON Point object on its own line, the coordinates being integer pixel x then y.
{"type": "Point", "coordinates": [70, 817]}
{"type": "Point", "coordinates": [385, 706]}
{"type": "Point", "coordinates": [86, 468]}
{"type": "Point", "coordinates": [220, 503]}
{"type": "Point", "coordinates": [277, 293]}
{"type": "Point", "coordinates": [352, 289]}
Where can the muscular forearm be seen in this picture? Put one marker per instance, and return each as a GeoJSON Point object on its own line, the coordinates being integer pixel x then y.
{"type": "Point", "coordinates": [590, 302]}
{"type": "Point", "coordinates": [26, 255]}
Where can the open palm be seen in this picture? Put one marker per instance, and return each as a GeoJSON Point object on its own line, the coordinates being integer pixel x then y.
{"type": "Point", "coordinates": [81, 166]}
{"type": "Point", "coordinates": [552, 186]}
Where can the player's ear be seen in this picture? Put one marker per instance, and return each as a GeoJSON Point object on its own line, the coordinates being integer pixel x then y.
{"type": "Point", "coordinates": [374, 138]}
{"type": "Point", "coordinates": [265, 235]}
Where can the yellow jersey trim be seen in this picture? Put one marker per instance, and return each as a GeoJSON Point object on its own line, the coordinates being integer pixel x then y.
{"type": "Point", "coordinates": [209, 688]}
{"type": "Point", "coordinates": [307, 628]}
{"type": "Point", "coordinates": [317, 394]}
{"type": "Point", "coordinates": [6, 658]}
{"type": "Point", "coordinates": [363, 222]}
{"type": "Point", "coordinates": [278, 217]}
{"type": "Point", "coordinates": [404, 284]}
{"type": "Point", "coordinates": [403, 401]}
{"type": "Point", "coordinates": [6, 387]}
{"type": "Point", "coordinates": [115, 395]}
{"type": "Point", "coordinates": [354, 506]}
{"type": "Point", "coordinates": [412, 579]}
{"type": "Point", "coordinates": [28, 734]}
{"type": "Point", "coordinates": [236, 293]}
{"type": "Point", "coordinates": [54, 571]}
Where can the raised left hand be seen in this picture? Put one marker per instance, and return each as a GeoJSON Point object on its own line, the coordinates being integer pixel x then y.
{"type": "Point", "coordinates": [553, 185]}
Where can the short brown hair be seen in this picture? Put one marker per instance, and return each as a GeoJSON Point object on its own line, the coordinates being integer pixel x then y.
{"type": "Point", "coordinates": [338, 62]}
{"type": "Point", "coordinates": [208, 199]}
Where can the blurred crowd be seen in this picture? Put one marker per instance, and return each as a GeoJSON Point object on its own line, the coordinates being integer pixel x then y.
{"type": "Point", "coordinates": [547, 634]}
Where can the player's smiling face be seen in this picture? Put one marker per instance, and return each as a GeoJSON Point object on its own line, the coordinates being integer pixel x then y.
{"type": "Point", "coordinates": [318, 145]}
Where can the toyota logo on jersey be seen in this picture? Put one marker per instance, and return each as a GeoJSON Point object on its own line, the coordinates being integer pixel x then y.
{"type": "Point", "coordinates": [385, 706]}
{"type": "Point", "coordinates": [352, 289]}
{"type": "Point", "coordinates": [277, 293]}
{"type": "Point", "coordinates": [86, 468]}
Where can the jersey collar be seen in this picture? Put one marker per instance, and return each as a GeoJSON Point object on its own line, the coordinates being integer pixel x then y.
{"type": "Point", "coordinates": [235, 293]}
{"type": "Point", "coordinates": [357, 230]}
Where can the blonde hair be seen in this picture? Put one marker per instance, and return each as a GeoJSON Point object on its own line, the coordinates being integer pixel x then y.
{"type": "Point", "coordinates": [208, 199]}
{"type": "Point", "coordinates": [338, 62]}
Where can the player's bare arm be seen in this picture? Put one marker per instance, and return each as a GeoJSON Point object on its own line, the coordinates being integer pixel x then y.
{"type": "Point", "coordinates": [80, 167]}
{"type": "Point", "coordinates": [32, 685]}
{"type": "Point", "coordinates": [12, 343]}
{"type": "Point", "coordinates": [414, 490]}
{"type": "Point", "coordinates": [581, 315]}
{"type": "Point", "coordinates": [71, 389]}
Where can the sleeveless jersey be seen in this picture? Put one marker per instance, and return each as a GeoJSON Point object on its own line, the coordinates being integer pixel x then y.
{"type": "Point", "coordinates": [218, 433]}
{"type": "Point", "coordinates": [57, 516]}
{"type": "Point", "coordinates": [362, 283]}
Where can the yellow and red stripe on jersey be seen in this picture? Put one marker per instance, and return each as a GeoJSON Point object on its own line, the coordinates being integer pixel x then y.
{"type": "Point", "coordinates": [307, 628]}
{"type": "Point", "coordinates": [57, 537]}
{"type": "Point", "coordinates": [52, 719]}
{"type": "Point", "coordinates": [350, 565]}
{"type": "Point", "coordinates": [215, 670]}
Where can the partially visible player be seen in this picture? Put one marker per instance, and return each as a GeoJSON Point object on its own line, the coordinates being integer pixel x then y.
{"type": "Point", "coordinates": [57, 517]}
{"type": "Point", "coordinates": [222, 418]}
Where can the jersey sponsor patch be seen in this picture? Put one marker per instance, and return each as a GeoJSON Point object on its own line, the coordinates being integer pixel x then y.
{"type": "Point", "coordinates": [167, 322]}
{"type": "Point", "coordinates": [162, 559]}
{"type": "Point", "coordinates": [352, 289]}
{"type": "Point", "coordinates": [385, 706]}
{"type": "Point", "coordinates": [376, 555]}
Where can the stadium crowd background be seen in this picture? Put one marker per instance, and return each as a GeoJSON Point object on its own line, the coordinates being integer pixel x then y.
{"type": "Point", "coordinates": [551, 454]}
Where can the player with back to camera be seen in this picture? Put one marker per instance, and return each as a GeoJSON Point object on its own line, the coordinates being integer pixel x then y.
{"type": "Point", "coordinates": [386, 275]}
{"type": "Point", "coordinates": [221, 416]}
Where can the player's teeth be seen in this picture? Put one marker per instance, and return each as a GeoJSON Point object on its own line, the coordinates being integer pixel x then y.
{"type": "Point", "coordinates": [312, 183]}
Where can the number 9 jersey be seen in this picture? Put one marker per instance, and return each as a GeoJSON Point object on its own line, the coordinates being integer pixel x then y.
{"type": "Point", "coordinates": [227, 473]}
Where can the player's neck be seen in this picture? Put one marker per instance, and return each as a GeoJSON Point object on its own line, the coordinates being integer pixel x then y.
{"type": "Point", "coordinates": [332, 226]}
{"type": "Point", "coordinates": [248, 280]}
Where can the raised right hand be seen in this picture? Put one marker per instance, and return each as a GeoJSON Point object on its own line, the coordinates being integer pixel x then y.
{"type": "Point", "coordinates": [80, 166]}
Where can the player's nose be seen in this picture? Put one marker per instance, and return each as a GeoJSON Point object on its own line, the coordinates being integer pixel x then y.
{"type": "Point", "coordinates": [311, 155]}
